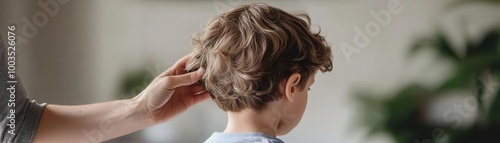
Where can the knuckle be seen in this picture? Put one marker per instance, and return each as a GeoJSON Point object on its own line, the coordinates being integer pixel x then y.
{"type": "Point", "coordinates": [166, 82]}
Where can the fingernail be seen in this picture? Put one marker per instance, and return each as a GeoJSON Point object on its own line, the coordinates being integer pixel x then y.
{"type": "Point", "coordinates": [200, 71]}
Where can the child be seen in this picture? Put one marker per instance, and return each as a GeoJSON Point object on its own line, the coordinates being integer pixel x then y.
{"type": "Point", "coordinates": [260, 62]}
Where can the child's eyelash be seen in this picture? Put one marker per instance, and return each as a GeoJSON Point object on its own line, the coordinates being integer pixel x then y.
{"type": "Point", "coordinates": [309, 88]}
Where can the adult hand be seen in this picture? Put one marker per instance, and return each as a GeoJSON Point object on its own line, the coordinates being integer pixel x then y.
{"type": "Point", "coordinates": [168, 95]}
{"type": "Point", "coordinates": [171, 93]}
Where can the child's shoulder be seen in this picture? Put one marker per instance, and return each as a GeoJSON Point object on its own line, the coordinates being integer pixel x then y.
{"type": "Point", "coordinates": [219, 137]}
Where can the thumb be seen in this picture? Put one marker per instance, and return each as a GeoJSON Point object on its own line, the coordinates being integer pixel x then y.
{"type": "Point", "coordinates": [184, 79]}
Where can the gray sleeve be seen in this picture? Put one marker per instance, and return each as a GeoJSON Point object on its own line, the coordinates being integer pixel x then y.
{"type": "Point", "coordinates": [19, 116]}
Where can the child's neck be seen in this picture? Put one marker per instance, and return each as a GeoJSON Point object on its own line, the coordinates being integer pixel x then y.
{"type": "Point", "coordinates": [247, 120]}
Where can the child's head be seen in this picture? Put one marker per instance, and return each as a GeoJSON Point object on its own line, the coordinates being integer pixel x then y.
{"type": "Point", "coordinates": [256, 54]}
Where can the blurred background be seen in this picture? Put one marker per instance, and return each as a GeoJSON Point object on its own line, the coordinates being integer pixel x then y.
{"type": "Point", "coordinates": [404, 70]}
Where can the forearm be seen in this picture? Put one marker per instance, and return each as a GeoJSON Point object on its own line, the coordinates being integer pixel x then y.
{"type": "Point", "coordinates": [90, 123]}
{"type": "Point", "coordinates": [168, 95]}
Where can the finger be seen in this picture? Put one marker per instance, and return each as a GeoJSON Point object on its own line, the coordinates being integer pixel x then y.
{"type": "Point", "coordinates": [173, 82]}
{"type": "Point", "coordinates": [180, 64]}
{"type": "Point", "coordinates": [201, 97]}
{"type": "Point", "coordinates": [198, 88]}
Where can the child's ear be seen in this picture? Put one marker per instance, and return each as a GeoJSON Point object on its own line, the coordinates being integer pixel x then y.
{"type": "Point", "coordinates": [291, 86]}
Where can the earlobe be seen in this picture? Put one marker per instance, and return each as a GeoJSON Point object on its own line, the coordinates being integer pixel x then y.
{"type": "Point", "coordinates": [291, 86]}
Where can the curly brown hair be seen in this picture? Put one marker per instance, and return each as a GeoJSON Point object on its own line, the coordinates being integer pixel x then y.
{"type": "Point", "coordinates": [249, 50]}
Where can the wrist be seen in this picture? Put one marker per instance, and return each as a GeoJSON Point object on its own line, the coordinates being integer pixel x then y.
{"type": "Point", "coordinates": [140, 112]}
